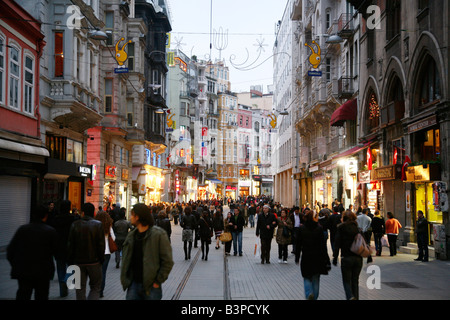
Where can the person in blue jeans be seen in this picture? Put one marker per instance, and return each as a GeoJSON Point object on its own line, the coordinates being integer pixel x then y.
{"type": "Point", "coordinates": [237, 227]}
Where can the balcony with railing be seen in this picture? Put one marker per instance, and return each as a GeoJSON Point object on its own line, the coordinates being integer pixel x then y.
{"type": "Point", "coordinates": [345, 87]}
{"type": "Point", "coordinates": [346, 27]}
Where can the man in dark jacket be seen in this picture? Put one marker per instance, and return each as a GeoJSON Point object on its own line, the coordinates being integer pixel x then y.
{"type": "Point", "coordinates": [86, 249]}
{"type": "Point", "coordinates": [30, 254]}
{"type": "Point", "coordinates": [422, 236]}
{"type": "Point", "coordinates": [237, 227]}
{"type": "Point", "coordinates": [264, 229]}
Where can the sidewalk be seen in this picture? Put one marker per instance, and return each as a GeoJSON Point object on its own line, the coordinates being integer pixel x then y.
{"type": "Point", "coordinates": [245, 278]}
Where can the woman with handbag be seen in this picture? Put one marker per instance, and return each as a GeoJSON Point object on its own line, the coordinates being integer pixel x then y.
{"type": "Point", "coordinates": [351, 263]}
{"type": "Point", "coordinates": [283, 236]}
{"type": "Point", "coordinates": [218, 225]}
{"type": "Point", "coordinates": [110, 245]}
{"type": "Point", "coordinates": [227, 223]}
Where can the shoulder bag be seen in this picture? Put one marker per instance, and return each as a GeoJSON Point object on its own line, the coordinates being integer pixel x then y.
{"type": "Point", "coordinates": [360, 247]}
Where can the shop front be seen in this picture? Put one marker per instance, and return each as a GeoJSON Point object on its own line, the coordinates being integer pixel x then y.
{"type": "Point", "coordinates": [66, 181]}
{"type": "Point", "coordinates": [427, 192]}
{"type": "Point", "coordinates": [256, 185]}
{"type": "Point", "coordinates": [230, 191]}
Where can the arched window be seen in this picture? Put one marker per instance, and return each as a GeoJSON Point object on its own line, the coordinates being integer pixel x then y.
{"type": "Point", "coordinates": [394, 110]}
{"type": "Point", "coordinates": [428, 90]}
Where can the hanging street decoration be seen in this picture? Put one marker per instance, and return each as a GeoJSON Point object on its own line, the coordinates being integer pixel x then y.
{"type": "Point", "coordinates": [315, 60]}
{"type": "Point", "coordinates": [374, 108]}
{"type": "Point", "coordinates": [273, 122]}
{"type": "Point", "coordinates": [121, 56]}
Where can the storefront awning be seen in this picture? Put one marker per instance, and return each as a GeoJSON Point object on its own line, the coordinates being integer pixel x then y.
{"type": "Point", "coordinates": [23, 148]}
{"type": "Point", "coordinates": [351, 151]}
{"type": "Point", "coordinates": [216, 181]}
{"type": "Point", "coordinates": [348, 111]}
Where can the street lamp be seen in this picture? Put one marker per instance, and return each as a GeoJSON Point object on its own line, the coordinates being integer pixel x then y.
{"type": "Point", "coordinates": [332, 39]}
{"type": "Point", "coordinates": [97, 35]}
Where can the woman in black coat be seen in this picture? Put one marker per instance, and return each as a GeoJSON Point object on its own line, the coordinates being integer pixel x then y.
{"type": "Point", "coordinates": [311, 246]}
{"type": "Point", "coordinates": [351, 264]}
{"type": "Point", "coordinates": [205, 233]}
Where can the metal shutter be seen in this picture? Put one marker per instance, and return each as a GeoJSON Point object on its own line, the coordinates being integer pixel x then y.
{"type": "Point", "coordinates": [15, 199]}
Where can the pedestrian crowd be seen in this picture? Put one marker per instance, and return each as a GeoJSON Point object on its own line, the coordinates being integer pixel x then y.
{"type": "Point", "coordinates": [142, 245]}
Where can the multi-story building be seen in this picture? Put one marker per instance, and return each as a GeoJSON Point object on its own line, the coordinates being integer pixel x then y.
{"type": "Point", "coordinates": [260, 140]}
{"type": "Point", "coordinates": [403, 114]}
{"type": "Point", "coordinates": [22, 153]}
{"type": "Point", "coordinates": [326, 169]}
{"type": "Point", "coordinates": [228, 172]}
{"type": "Point", "coordinates": [245, 144]}
{"type": "Point", "coordinates": [110, 147]}
{"type": "Point", "coordinates": [283, 110]}
{"type": "Point", "coordinates": [182, 99]}
{"type": "Point", "coordinates": [70, 101]}
{"type": "Point", "coordinates": [148, 162]}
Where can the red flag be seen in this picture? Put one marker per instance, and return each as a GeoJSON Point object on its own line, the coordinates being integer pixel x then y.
{"type": "Point", "coordinates": [369, 159]}
{"type": "Point", "coordinates": [405, 165]}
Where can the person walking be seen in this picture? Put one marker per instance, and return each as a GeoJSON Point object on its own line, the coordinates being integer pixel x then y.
{"type": "Point", "coordinates": [264, 229]}
{"type": "Point", "coordinates": [218, 225]}
{"type": "Point", "coordinates": [205, 230]}
{"type": "Point", "coordinates": [86, 249]}
{"type": "Point", "coordinates": [30, 254]}
{"type": "Point", "coordinates": [311, 246]}
{"type": "Point", "coordinates": [188, 223]}
{"type": "Point", "coordinates": [121, 228]}
{"type": "Point", "coordinates": [283, 236]}
{"type": "Point", "coordinates": [422, 236]}
{"type": "Point", "coordinates": [392, 229]}
{"type": "Point", "coordinates": [333, 221]}
{"type": "Point", "coordinates": [236, 230]}
{"type": "Point", "coordinates": [227, 227]}
{"type": "Point", "coordinates": [296, 221]}
{"type": "Point", "coordinates": [62, 224]}
{"type": "Point", "coordinates": [147, 257]}
{"type": "Point", "coordinates": [108, 231]}
{"type": "Point", "coordinates": [251, 215]}
{"type": "Point", "coordinates": [351, 264]}
{"type": "Point", "coordinates": [163, 222]}
{"type": "Point", "coordinates": [364, 225]}
{"type": "Point", "coordinates": [378, 229]}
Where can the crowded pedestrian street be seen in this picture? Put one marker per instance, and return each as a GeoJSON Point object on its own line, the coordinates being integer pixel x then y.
{"type": "Point", "coordinates": [243, 278]}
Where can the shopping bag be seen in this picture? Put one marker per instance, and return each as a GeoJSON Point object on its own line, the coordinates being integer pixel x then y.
{"type": "Point", "coordinates": [384, 241]}
{"type": "Point", "coordinates": [257, 252]}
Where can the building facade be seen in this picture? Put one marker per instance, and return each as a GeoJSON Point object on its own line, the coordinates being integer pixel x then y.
{"type": "Point", "coordinates": [23, 154]}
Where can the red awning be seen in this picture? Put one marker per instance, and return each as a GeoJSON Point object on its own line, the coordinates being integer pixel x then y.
{"type": "Point", "coordinates": [351, 151]}
{"type": "Point", "coordinates": [348, 111]}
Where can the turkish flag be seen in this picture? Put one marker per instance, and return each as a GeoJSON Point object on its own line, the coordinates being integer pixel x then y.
{"type": "Point", "coordinates": [369, 159]}
{"type": "Point", "coordinates": [405, 165]}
